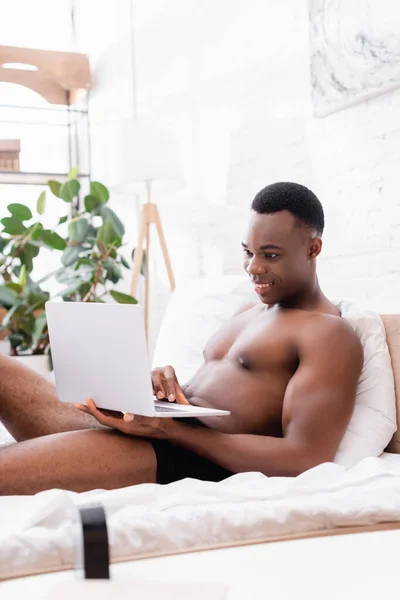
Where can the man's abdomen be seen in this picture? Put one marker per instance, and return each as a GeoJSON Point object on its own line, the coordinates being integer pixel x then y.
{"type": "Point", "coordinates": [254, 398]}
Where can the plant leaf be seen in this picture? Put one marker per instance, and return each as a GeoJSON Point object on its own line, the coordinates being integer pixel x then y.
{"type": "Point", "coordinates": [125, 263]}
{"type": "Point", "coordinates": [20, 212]}
{"type": "Point", "coordinates": [73, 173]}
{"type": "Point", "coordinates": [86, 272]}
{"type": "Point", "coordinates": [55, 187]}
{"type": "Point", "coordinates": [34, 286]}
{"type": "Point", "coordinates": [107, 233]}
{"type": "Point", "coordinates": [99, 191]}
{"type": "Point", "coordinates": [11, 285]}
{"type": "Point", "coordinates": [69, 190]}
{"type": "Point", "coordinates": [85, 261]}
{"type": "Point", "coordinates": [53, 240]}
{"type": "Point", "coordinates": [14, 251]}
{"type": "Point", "coordinates": [89, 242]}
{"type": "Point", "coordinates": [22, 277]}
{"type": "Point", "coordinates": [107, 213]}
{"type": "Point", "coordinates": [16, 339]}
{"type": "Point", "coordinates": [143, 265]}
{"type": "Point", "coordinates": [35, 231]}
{"type": "Point", "coordinates": [78, 229]}
{"type": "Point", "coordinates": [3, 244]}
{"type": "Point", "coordinates": [63, 220]}
{"type": "Point", "coordinates": [37, 299]}
{"type": "Point", "coordinates": [38, 327]}
{"type": "Point", "coordinates": [72, 289]}
{"type": "Point", "coordinates": [70, 255]}
{"type": "Point", "coordinates": [92, 232]}
{"type": "Point", "coordinates": [41, 203]}
{"type": "Point", "coordinates": [113, 271]}
{"type": "Point", "coordinates": [68, 276]}
{"type": "Point", "coordinates": [27, 255]}
{"type": "Point", "coordinates": [13, 226]}
{"type": "Point", "coordinates": [27, 323]}
{"type": "Point", "coordinates": [36, 243]}
{"type": "Point", "coordinates": [10, 314]}
{"type": "Point", "coordinates": [8, 297]}
{"type": "Point", "coordinates": [32, 249]}
{"type": "Point", "coordinates": [91, 202]}
{"type": "Point", "coordinates": [102, 248]}
{"type": "Point", "coordinates": [123, 298]}
{"type": "Point", "coordinates": [84, 288]}
{"type": "Point", "coordinates": [118, 242]}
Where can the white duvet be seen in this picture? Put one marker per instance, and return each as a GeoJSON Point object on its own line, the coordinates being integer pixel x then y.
{"type": "Point", "coordinates": [38, 534]}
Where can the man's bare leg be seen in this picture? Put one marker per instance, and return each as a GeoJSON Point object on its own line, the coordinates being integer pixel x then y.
{"type": "Point", "coordinates": [61, 447]}
{"type": "Point", "coordinates": [29, 406]}
{"type": "Point", "coordinates": [77, 461]}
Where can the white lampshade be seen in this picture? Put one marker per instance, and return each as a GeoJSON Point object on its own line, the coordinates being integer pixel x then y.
{"type": "Point", "coordinates": [146, 150]}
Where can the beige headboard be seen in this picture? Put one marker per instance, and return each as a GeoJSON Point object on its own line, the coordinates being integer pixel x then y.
{"type": "Point", "coordinates": [392, 326]}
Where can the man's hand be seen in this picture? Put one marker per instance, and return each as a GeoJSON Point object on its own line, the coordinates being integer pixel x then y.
{"type": "Point", "coordinates": [147, 427]}
{"type": "Point", "coordinates": [166, 385]}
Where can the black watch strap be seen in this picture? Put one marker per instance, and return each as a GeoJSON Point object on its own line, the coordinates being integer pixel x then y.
{"type": "Point", "coordinates": [96, 558]}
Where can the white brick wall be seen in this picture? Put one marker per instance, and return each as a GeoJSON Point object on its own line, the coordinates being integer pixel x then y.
{"type": "Point", "coordinates": [356, 174]}
{"type": "Point", "coordinates": [234, 77]}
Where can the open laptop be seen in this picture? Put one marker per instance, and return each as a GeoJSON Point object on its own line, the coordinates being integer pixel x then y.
{"type": "Point", "coordinates": [99, 351]}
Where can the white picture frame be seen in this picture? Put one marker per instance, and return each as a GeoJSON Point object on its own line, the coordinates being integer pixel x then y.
{"type": "Point", "coordinates": [354, 51]}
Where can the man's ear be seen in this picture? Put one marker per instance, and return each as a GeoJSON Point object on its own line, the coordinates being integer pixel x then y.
{"type": "Point", "coordinates": [314, 247]}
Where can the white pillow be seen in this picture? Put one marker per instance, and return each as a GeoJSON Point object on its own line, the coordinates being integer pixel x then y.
{"type": "Point", "coordinates": [198, 309]}
{"type": "Point", "coordinates": [374, 419]}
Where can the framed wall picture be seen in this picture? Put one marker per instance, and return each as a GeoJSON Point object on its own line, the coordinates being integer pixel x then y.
{"type": "Point", "coordinates": [355, 51]}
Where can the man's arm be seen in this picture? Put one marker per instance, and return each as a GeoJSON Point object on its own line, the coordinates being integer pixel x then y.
{"type": "Point", "coordinates": [317, 408]}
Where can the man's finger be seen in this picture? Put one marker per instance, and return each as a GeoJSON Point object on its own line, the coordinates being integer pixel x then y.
{"type": "Point", "coordinates": [157, 384]}
{"type": "Point", "coordinates": [100, 415]}
{"type": "Point", "coordinates": [180, 396]}
{"type": "Point", "coordinates": [169, 386]}
{"type": "Point", "coordinates": [107, 421]}
{"type": "Point", "coordinates": [169, 383]}
{"type": "Point", "coordinates": [91, 405]}
{"type": "Point", "coordinates": [93, 410]}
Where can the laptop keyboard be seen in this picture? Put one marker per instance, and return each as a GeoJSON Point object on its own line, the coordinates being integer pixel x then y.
{"type": "Point", "coordinates": [164, 409]}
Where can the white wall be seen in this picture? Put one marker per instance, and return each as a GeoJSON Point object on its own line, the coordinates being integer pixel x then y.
{"type": "Point", "coordinates": [355, 163]}
{"type": "Point", "coordinates": [233, 75]}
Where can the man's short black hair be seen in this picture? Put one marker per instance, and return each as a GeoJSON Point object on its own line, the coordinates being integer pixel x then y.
{"type": "Point", "coordinates": [296, 198]}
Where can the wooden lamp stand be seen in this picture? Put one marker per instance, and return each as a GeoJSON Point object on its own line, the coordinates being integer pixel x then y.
{"type": "Point", "coordinates": [149, 216]}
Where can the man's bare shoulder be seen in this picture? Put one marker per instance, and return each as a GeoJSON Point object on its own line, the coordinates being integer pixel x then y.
{"type": "Point", "coordinates": [322, 331]}
{"type": "Point", "coordinates": [245, 308]}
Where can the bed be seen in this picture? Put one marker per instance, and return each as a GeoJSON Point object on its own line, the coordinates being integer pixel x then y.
{"type": "Point", "coordinates": [275, 535]}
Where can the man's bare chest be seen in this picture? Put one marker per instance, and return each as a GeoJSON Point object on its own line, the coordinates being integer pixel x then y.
{"type": "Point", "coordinates": [258, 343]}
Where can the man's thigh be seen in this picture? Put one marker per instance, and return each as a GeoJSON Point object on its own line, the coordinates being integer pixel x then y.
{"type": "Point", "coordinates": [78, 461]}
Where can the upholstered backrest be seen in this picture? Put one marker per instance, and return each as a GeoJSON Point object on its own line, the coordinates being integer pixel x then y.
{"type": "Point", "coordinates": [392, 326]}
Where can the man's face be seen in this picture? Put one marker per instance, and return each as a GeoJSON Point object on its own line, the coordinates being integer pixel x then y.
{"type": "Point", "coordinates": [279, 255]}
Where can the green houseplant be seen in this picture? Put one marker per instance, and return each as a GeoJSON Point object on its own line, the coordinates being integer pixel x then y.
{"type": "Point", "coordinates": [88, 239]}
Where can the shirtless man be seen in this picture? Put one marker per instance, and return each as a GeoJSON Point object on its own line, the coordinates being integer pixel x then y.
{"type": "Point", "coordinates": [287, 368]}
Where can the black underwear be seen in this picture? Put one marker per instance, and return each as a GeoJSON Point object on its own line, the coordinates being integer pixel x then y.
{"type": "Point", "coordinates": [175, 463]}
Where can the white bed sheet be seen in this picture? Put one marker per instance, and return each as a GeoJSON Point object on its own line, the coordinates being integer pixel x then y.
{"type": "Point", "coordinates": [37, 533]}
